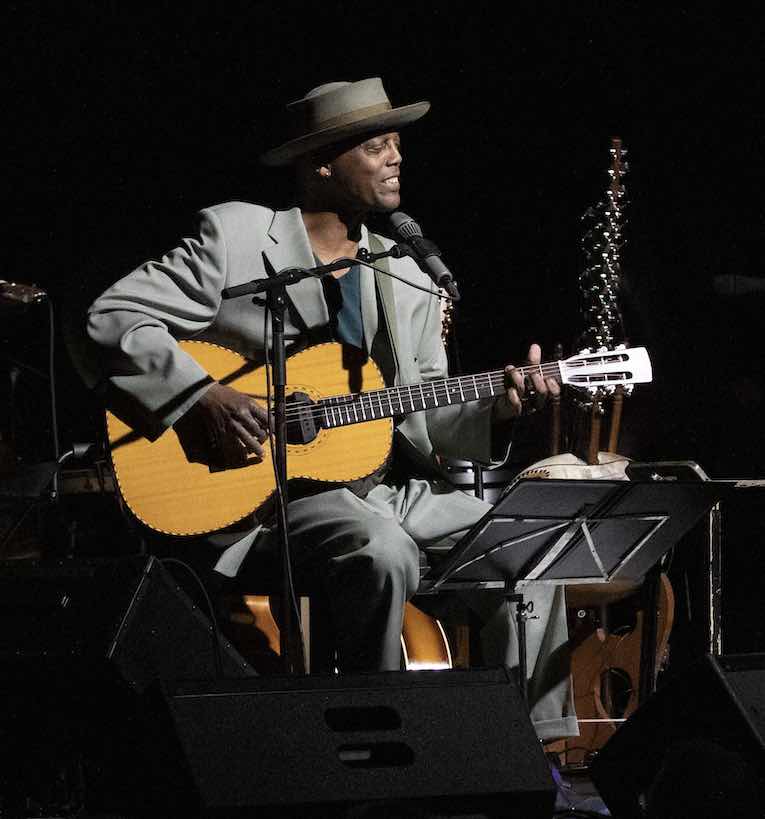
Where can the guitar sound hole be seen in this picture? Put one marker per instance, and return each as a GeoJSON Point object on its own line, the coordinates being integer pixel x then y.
{"type": "Point", "coordinates": [617, 687]}
{"type": "Point", "coordinates": [302, 421]}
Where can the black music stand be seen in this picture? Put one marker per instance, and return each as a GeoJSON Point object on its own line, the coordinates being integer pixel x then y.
{"type": "Point", "coordinates": [564, 532]}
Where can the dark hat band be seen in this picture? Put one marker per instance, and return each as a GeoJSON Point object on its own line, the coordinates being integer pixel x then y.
{"type": "Point", "coordinates": [351, 117]}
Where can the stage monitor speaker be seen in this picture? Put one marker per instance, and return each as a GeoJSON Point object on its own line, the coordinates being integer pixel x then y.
{"type": "Point", "coordinates": [698, 744]}
{"type": "Point", "coordinates": [416, 743]}
{"type": "Point", "coordinates": [81, 642]}
{"type": "Point", "coordinates": [75, 618]}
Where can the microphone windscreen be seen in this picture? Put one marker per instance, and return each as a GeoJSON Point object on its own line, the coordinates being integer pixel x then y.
{"type": "Point", "coordinates": [404, 225]}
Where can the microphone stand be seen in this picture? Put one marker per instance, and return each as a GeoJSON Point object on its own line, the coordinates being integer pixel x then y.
{"type": "Point", "coordinates": [275, 288]}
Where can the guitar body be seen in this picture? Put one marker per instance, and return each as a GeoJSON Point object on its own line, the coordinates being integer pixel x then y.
{"type": "Point", "coordinates": [171, 495]}
{"type": "Point", "coordinates": [605, 664]}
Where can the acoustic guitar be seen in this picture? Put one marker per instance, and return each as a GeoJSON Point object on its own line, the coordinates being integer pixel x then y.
{"type": "Point", "coordinates": [339, 427]}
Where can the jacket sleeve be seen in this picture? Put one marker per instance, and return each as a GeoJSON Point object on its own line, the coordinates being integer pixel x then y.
{"type": "Point", "coordinates": [136, 322]}
{"type": "Point", "coordinates": [459, 430]}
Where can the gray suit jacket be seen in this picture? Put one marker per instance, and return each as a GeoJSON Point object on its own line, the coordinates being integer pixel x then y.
{"type": "Point", "coordinates": [136, 322]}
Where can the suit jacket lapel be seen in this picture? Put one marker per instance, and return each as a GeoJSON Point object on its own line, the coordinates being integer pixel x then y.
{"type": "Point", "coordinates": [292, 249]}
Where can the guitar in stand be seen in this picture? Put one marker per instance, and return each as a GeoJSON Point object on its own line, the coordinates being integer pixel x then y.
{"type": "Point", "coordinates": [617, 630]}
{"type": "Point", "coordinates": [572, 533]}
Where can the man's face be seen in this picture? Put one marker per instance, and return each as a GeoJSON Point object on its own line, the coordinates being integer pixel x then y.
{"type": "Point", "coordinates": [367, 176]}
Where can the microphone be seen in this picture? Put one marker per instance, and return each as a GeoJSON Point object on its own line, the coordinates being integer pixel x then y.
{"type": "Point", "coordinates": [424, 252]}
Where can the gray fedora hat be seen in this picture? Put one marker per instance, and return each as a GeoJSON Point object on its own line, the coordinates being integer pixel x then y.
{"type": "Point", "coordinates": [337, 111]}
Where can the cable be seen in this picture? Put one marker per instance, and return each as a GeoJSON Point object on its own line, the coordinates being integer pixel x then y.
{"type": "Point", "coordinates": [6, 536]}
{"type": "Point", "coordinates": [52, 383]}
{"type": "Point", "coordinates": [439, 294]}
{"type": "Point", "coordinates": [217, 658]}
{"type": "Point", "coordinates": [52, 379]}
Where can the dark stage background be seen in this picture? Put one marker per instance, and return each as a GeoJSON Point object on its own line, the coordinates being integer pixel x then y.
{"type": "Point", "coordinates": [124, 122]}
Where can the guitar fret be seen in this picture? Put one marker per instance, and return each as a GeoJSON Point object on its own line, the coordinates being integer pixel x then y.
{"type": "Point", "coordinates": [341, 410]}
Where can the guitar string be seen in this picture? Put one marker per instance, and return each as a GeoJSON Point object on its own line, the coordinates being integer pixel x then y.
{"type": "Point", "coordinates": [439, 390]}
{"type": "Point", "coordinates": [397, 395]}
{"type": "Point", "coordinates": [442, 387]}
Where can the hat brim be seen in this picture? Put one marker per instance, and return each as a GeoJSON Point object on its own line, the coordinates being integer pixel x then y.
{"type": "Point", "coordinates": [395, 118]}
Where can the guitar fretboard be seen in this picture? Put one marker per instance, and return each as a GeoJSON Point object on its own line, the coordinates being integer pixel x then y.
{"type": "Point", "coordinates": [356, 408]}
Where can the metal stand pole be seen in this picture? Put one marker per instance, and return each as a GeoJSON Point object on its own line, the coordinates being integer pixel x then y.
{"type": "Point", "coordinates": [523, 611]}
{"type": "Point", "coordinates": [290, 642]}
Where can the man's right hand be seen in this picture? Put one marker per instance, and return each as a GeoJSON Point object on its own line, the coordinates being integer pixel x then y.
{"type": "Point", "coordinates": [225, 427]}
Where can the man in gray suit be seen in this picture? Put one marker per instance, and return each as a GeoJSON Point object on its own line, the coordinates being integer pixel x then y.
{"type": "Point", "coordinates": [361, 542]}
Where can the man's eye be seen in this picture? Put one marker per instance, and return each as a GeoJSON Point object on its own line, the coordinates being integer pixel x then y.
{"type": "Point", "coordinates": [376, 149]}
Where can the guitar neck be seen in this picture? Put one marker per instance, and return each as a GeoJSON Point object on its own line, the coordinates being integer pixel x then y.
{"type": "Point", "coordinates": [342, 410]}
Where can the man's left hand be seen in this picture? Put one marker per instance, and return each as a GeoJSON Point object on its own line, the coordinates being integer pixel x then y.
{"type": "Point", "coordinates": [525, 395]}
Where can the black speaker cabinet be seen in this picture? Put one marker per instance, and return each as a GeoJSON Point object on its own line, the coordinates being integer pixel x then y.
{"type": "Point", "coordinates": [396, 744]}
{"type": "Point", "coordinates": [69, 617]}
{"type": "Point", "coordinates": [81, 642]}
{"type": "Point", "coordinates": [699, 739]}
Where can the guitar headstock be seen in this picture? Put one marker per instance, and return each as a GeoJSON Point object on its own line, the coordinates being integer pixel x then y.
{"type": "Point", "coordinates": [602, 371]}
{"type": "Point", "coordinates": [602, 243]}
{"type": "Point", "coordinates": [16, 293]}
